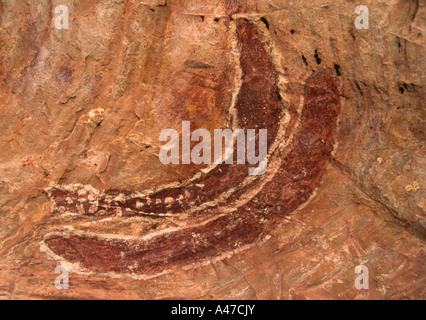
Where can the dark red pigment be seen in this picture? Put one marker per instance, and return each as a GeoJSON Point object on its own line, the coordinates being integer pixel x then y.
{"type": "Point", "coordinates": [303, 162]}
{"type": "Point", "coordinates": [257, 103]}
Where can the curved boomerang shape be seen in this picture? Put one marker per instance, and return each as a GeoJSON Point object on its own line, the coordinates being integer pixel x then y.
{"type": "Point", "coordinates": [214, 226]}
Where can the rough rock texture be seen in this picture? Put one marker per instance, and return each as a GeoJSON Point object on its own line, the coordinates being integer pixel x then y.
{"type": "Point", "coordinates": [82, 186]}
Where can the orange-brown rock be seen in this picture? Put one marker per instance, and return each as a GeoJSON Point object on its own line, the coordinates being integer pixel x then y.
{"type": "Point", "coordinates": [82, 185]}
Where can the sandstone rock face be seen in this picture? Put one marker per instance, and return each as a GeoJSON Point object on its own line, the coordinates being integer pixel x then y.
{"type": "Point", "coordinates": [82, 184]}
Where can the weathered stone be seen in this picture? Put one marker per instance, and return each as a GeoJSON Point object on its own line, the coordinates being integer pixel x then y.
{"type": "Point", "coordinates": [81, 183]}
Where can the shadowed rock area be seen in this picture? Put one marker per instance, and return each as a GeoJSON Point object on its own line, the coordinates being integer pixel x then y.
{"type": "Point", "coordinates": [82, 185]}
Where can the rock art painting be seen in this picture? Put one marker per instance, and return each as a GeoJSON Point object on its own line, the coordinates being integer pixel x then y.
{"type": "Point", "coordinates": [210, 229]}
{"type": "Point", "coordinates": [87, 88]}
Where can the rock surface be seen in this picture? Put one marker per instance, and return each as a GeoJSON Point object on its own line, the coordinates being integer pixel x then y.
{"type": "Point", "coordinates": [81, 113]}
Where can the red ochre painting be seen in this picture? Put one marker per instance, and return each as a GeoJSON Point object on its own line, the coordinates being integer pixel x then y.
{"type": "Point", "coordinates": [87, 88]}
